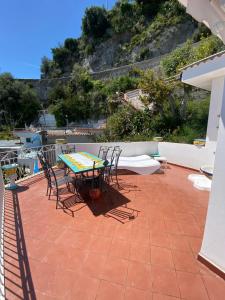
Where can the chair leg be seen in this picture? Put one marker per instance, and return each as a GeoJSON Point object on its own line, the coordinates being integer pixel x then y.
{"type": "Point", "coordinates": [68, 186]}
{"type": "Point", "coordinates": [57, 199]}
{"type": "Point", "coordinates": [117, 183]}
{"type": "Point", "coordinates": [50, 191]}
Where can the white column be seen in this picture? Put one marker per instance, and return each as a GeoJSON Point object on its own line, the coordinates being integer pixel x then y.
{"type": "Point", "coordinates": [214, 111]}
{"type": "Point", "coordinates": [213, 246]}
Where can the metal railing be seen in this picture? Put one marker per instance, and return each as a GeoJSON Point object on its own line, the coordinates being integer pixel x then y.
{"type": "Point", "coordinates": [2, 205]}
{"type": "Point", "coordinates": [27, 160]}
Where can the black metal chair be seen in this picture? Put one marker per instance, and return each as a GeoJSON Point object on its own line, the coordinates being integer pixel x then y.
{"type": "Point", "coordinates": [67, 149]}
{"type": "Point", "coordinates": [60, 175]}
{"type": "Point", "coordinates": [112, 170]}
{"type": "Point", "coordinates": [55, 184]}
{"type": "Point", "coordinates": [95, 177]}
{"type": "Point", "coordinates": [103, 152]}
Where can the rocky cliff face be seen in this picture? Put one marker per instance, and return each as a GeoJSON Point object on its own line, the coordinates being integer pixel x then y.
{"type": "Point", "coordinates": [106, 53]}
{"type": "Point", "coordinates": [114, 53]}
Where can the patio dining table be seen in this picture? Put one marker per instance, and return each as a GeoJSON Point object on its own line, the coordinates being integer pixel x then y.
{"type": "Point", "coordinates": [80, 162]}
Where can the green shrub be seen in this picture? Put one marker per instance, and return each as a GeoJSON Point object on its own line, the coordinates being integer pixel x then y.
{"type": "Point", "coordinates": [177, 59]}
{"type": "Point", "coordinates": [120, 84]}
{"type": "Point", "coordinates": [124, 17]}
{"type": "Point", "coordinates": [145, 53]}
{"type": "Point", "coordinates": [207, 47]}
{"type": "Point", "coordinates": [188, 54]}
{"type": "Point", "coordinates": [89, 49]}
{"type": "Point", "coordinates": [169, 113]}
{"type": "Point", "coordinates": [49, 69]}
{"type": "Point", "coordinates": [149, 7]}
{"type": "Point", "coordinates": [183, 134]}
{"type": "Point", "coordinates": [201, 32]}
{"type": "Point", "coordinates": [5, 132]}
{"type": "Point", "coordinates": [95, 22]}
{"type": "Point", "coordinates": [19, 104]}
{"type": "Point", "coordinates": [61, 56]}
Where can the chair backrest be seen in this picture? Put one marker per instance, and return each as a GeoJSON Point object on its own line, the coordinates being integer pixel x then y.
{"type": "Point", "coordinates": [115, 157]}
{"type": "Point", "coordinates": [67, 149]}
{"type": "Point", "coordinates": [45, 166]}
{"type": "Point", "coordinates": [115, 152]}
{"type": "Point", "coordinates": [52, 178]}
{"type": "Point", "coordinates": [103, 152]}
{"type": "Point", "coordinates": [41, 158]}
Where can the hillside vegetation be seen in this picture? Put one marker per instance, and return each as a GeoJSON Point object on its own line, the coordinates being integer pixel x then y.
{"type": "Point", "coordinates": [131, 31]}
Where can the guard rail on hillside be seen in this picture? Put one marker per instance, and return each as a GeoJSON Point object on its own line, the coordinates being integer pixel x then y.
{"type": "Point", "coordinates": [2, 195]}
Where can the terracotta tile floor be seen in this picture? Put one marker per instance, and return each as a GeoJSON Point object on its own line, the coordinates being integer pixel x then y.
{"type": "Point", "coordinates": [104, 253]}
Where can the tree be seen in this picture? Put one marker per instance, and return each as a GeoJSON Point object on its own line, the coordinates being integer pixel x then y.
{"type": "Point", "coordinates": [150, 7]}
{"type": "Point", "coordinates": [61, 56]}
{"type": "Point", "coordinates": [80, 79]}
{"type": "Point", "coordinates": [49, 68]}
{"type": "Point", "coordinates": [157, 91]}
{"type": "Point", "coordinates": [124, 16]}
{"type": "Point", "coordinates": [18, 102]}
{"type": "Point", "coordinates": [95, 22]}
{"type": "Point", "coordinates": [71, 44]}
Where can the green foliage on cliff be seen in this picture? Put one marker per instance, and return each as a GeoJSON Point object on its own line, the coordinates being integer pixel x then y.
{"type": "Point", "coordinates": [64, 57]}
{"type": "Point", "coordinates": [188, 54]}
{"type": "Point", "coordinates": [169, 112]}
{"type": "Point", "coordinates": [18, 102]}
{"type": "Point", "coordinates": [169, 108]}
{"type": "Point", "coordinates": [143, 21]}
{"type": "Point", "coordinates": [95, 22]}
{"type": "Point", "coordinates": [83, 98]}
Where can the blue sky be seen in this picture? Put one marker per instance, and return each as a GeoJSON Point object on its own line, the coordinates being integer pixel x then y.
{"type": "Point", "coordinates": [30, 28]}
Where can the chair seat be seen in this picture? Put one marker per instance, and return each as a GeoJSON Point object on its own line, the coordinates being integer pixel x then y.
{"type": "Point", "coordinates": [59, 172]}
{"type": "Point", "coordinates": [64, 180]}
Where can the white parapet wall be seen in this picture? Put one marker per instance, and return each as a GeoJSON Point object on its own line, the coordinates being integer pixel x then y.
{"type": "Point", "coordinates": [187, 155]}
{"type": "Point", "coordinates": [128, 149]}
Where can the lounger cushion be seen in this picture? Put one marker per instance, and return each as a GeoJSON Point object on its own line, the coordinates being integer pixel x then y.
{"type": "Point", "coordinates": [142, 164]}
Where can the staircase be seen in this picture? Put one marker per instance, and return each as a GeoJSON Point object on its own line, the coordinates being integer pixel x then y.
{"type": "Point", "coordinates": [133, 98]}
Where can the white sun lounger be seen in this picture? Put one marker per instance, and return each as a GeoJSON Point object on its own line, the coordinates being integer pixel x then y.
{"type": "Point", "coordinates": [142, 164]}
{"type": "Point", "coordinates": [135, 158]}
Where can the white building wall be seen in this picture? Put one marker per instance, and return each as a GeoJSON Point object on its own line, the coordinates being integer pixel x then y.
{"type": "Point", "coordinates": [214, 110]}
{"type": "Point", "coordinates": [186, 155]}
{"type": "Point", "coordinates": [213, 247]}
{"type": "Point", "coordinates": [47, 120]}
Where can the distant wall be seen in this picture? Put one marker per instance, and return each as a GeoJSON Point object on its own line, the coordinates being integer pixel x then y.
{"type": "Point", "coordinates": [43, 86]}
{"type": "Point", "coordinates": [124, 70]}
{"type": "Point", "coordinates": [71, 138]}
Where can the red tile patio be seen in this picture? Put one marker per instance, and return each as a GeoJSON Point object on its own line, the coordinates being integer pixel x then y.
{"type": "Point", "coordinates": [103, 253]}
